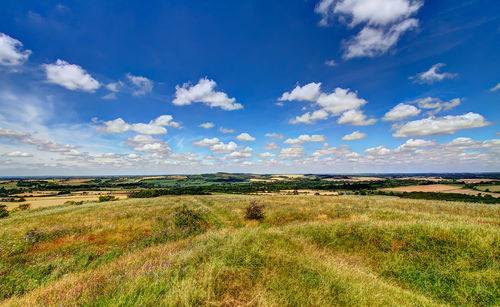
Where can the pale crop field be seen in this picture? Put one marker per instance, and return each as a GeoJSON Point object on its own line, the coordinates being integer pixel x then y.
{"type": "Point", "coordinates": [202, 251]}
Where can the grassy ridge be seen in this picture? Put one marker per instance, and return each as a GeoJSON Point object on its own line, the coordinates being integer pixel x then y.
{"type": "Point", "coordinates": [309, 250]}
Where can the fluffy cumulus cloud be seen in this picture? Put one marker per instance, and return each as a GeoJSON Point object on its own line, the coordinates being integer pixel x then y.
{"type": "Point", "coordinates": [294, 151]}
{"type": "Point", "coordinates": [400, 112]}
{"type": "Point", "coordinates": [385, 21]}
{"type": "Point", "coordinates": [309, 118]}
{"type": "Point", "coordinates": [207, 125]}
{"type": "Point", "coordinates": [245, 137]}
{"type": "Point", "coordinates": [330, 63]}
{"type": "Point", "coordinates": [330, 104]}
{"type": "Point", "coordinates": [433, 75]}
{"type": "Point", "coordinates": [308, 92]}
{"type": "Point", "coordinates": [146, 143]}
{"type": "Point", "coordinates": [203, 92]}
{"type": "Point", "coordinates": [355, 118]}
{"type": "Point", "coordinates": [154, 127]}
{"type": "Point", "coordinates": [142, 85]}
{"type": "Point", "coordinates": [436, 105]}
{"type": "Point", "coordinates": [356, 135]}
{"type": "Point", "coordinates": [71, 76]}
{"type": "Point", "coordinates": [304, 138]}
{"type": "Point", "coordinates": [441, 125]}
{"type": "Point", "coordinates": [11, 51]}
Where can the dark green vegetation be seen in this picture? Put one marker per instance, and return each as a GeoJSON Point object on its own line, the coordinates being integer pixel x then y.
{"type": "Point", "coordinates": [486, 199]}
{"type": "Point", "coordinates": [202, 250]}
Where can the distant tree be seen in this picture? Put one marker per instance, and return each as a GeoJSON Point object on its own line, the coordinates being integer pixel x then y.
{"type": "Point", "coordinates": [3, 211]}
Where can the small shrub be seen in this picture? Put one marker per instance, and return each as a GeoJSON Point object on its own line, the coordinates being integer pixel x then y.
{"type": "Point", "coordinates": [24, 207]}
{"type": "Point", "coordinates": [104, 198]}
{"type": "Point", "coordinates": [74, 203]}
{"type": "Point", "coordinates": [189, 220]}
{"type": "Point", "coordinates": [254, 211]}
{"type": "Point", "coordinates": [3, 211]}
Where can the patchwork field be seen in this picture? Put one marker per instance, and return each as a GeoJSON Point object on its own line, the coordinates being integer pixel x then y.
{"type": "Point", "coordinates": [39, 201]}
{"type": "Point", "coordinates": [440, 188]}
{"type": "Point", "coordinates": [200, 250]}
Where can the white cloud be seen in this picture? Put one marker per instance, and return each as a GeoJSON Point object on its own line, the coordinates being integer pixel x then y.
{"type": "Point", "coordinates": [206, 142]}
{"type": "Point", "coordinates": [71, 76]}
{"type": "Point", "coordinates": [18, 154]}
{"type": "Point", "coordinates": [308, 92]}
{"type": "Point", "coordinates": [436, 105]}
{"type": "Point", "coordinates": [110, 96]}
{"type": "Point", "coordinates": [114, 86]}
{"type": "Point", "coordinates": [339, 101]}
{"type": "Point", "coordinates": [384, 23]}
{"type": "Point", "coordinates": [356, 135]}
{"type": "Point", "coordinates": [378, 151]}
{"type": "Point", "coordinates": [275, 135]}
{"type": "Point", "coordinates": [11, 53]}
{"type": "Point", "coordinates": [221, 148]}
{"type": "Point", "coordinates": [146, 143]}
{"type": "Point", "coordinates": [441, 125]}
{"type": "Point", "coordinates": [413, 144]}
{"type": "Point", "coordinates": [355, 118]}
{"type": "Point", "coordinates": [308, 118]}
{"type": "Point", "coordinates": [271, 146]}
{"type": "Point", "coordinates": [400, 112]}
{"type": "Point", "coordinates": [306, 138]}
{"type": "Point", "coordinates": [371, 42]}
{"type": "Point", "coordinates": [267, 155]}
{"type": "Point", "coordinates": [154, 127]}
{"type": "Point", "coordinates": [207, 125]}
{"type": "Point", "coordinates": [372, 12]}
{"type": "Point", "coordinates": [245, 137]}
{"type": "Point", "coordinates": [432, 75]}
{"type": "Point", "coordinates": [142, 85]}
{"type": "Point", "coordinates": [203, 92]}
{"type": "Point", "coordinates": [495, 88]}
{"type": "Point", "coordinates": [294, 151]}
{"type": "Point", "coordinates": [330, 63]}
{"type": "Point", "coordinates": [226, 130]}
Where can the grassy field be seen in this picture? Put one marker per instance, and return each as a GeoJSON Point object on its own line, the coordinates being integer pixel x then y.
{"type": "Point", "coordinates": [309, 250]}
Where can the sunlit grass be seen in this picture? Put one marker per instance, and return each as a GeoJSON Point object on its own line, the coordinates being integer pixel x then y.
{"type": "Point", "coordinates": [308, 250]}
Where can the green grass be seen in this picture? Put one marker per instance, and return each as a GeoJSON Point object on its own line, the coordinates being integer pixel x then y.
{"type": "Point", "coordinates": [200, 250]}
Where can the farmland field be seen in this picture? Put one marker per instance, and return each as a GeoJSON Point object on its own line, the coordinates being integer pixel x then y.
{"type": "Point", "coordinates": [200, 250]}
{"type": "Point", "coordinates": [441, 188]}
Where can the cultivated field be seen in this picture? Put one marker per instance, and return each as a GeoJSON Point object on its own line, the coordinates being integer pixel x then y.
{"type": "Point", "coordinates": [440, 188]}
{"type": "Point", "coordinates": [308, 250]}
{"type": "Point", "coordinates": [37, 200]}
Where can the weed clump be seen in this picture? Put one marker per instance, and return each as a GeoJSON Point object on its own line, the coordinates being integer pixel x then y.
{"type": "Point", "coordinates": [74, 203]}
{"type": "Point", "coordinates": [24, 207]}
{"type": "Point", "coordinates": [254, 211]}
{"type": "Point", "coordinates": [3, 211]}
{"type": "Point", "coordinates": [189, 220]}
{"type": "Point", "coordinates": [104, 198]}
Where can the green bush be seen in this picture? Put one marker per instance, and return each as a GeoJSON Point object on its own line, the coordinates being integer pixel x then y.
{"type": "Point", "coordinates": [104, 198]}
{"type": "Point", "coordinates": [24, 207]}
{"type": "Point", "coordinates": [72, 202]}
{"type": "Point", "coordinates": [189, 220]}
{"type": "Point", "coordinates": [254, 211]}
{"type": "Point", "coordinates": [3, 211]}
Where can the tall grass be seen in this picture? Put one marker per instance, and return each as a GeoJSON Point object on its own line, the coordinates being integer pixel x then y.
{"type": "Point", "coordinates": [201, 250]}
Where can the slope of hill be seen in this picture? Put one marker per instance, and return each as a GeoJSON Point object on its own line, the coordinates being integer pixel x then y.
{"type": "Point", "coordinates": [200, 250]}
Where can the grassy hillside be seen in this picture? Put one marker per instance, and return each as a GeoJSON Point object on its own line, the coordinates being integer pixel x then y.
{"type": "Point", "coordinates": [309, 250]}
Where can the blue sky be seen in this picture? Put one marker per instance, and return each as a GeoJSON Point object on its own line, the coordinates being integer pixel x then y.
{"type": "Point", "coordinates": [338, 86]}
